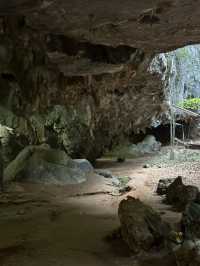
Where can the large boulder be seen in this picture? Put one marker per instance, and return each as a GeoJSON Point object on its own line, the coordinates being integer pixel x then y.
{"type": "Point", "coordinates": [41, 164]}
{"type": "Point", "coordinates": [180, 195]}
{"type": "Point", "coordinates": [149, 145]}
{"type": "Point", "coordinates": [141, 227]}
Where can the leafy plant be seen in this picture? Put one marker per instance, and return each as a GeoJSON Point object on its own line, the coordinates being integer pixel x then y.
{"type": "Point", "coordinates": [193, 103]}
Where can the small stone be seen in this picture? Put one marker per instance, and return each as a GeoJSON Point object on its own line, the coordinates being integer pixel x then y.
{"type": "Point", "coordinates": [21, 212]}
{"type": "Point", "coordinates": [104, 173]}
{"type": "Point", "coordinates": [163, 184]}
{"type": "Point", "coordinates": [146, 166]}
{"type": "Point", "coordinates": [121, 159]}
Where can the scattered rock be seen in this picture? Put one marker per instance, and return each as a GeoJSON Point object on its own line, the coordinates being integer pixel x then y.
{"type": "Point", "coordinates": [123, 180]}
{"type": "Point", "coordinates": [125, 189]}
{"type": "Point", "coordinates": [163, 184]}
{"type": "Point", "coordinates": [180, 195]}
{"type": "Point", "coordinates": [188, 254]}
{"type": "Point", "coordinates": [121, 159]}
{"type": "Point", "coordinates": [190, 221]}
{"type": "Point", "coordinates": [115, 181]}
{"type": "Point", "coordinates": [141, 227]}
{"type": "Point", "coordinates": [146, 166]}
{"type": "Point", "coordinates": [104, 173]}
{"type": "Point", "coordinates": [149, 145]}
{"type": "Point", "coordinates": [1, 174]}
{"type": "Point", "coordinates": [21, 212]}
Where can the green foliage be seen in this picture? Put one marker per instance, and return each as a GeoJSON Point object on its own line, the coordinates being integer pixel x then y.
{"type": "Point", "coordinates": [193, 103]}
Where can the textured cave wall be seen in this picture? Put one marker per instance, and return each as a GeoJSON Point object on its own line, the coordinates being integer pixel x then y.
{"type": "Point", "coordinates": [81, 70]}
{"type": "Point", "coordinates": [88, 96]}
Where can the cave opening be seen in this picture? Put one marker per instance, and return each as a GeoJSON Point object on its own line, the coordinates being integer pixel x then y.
{"type": "Point", "coordinates": [85, 132]}
{"type": "Point", "coordinates": [162, 133]}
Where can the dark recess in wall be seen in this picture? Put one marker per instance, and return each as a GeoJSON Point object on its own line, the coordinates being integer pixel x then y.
{"type": "Point", "coordinates": [162, 133]}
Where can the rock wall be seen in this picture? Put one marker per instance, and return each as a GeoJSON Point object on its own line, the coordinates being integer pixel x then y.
{"type": "Point", "coordinates": [76, 73]}
{"type": "Point", "coordinates": [179, 70]}
{"type": "Point", "coordinates": [78, 96]}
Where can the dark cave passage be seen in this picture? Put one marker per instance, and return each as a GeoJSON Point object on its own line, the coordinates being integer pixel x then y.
{"type": "Point", "coordinates": [162, 133]}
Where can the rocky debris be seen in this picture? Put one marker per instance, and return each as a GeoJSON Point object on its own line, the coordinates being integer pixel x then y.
{"type": "Point", "coordinates": [118, 181]}
{"type": "Point", "coordinates": [190, 221]}
{"type": "Point", "coordinates": [149, 145]}
{"type": "Point", "coordinates": [179, 195]}
{"type": "Point", "coordinates": [1, 174]}
{"type": "Point", "coordinates": [115, 181]}
{"type": "Point", "coordinates": [125, 189]}
{"type": "Point", "coordinates": [7, 145]}
{"type": "Point", "coordinates": [146, 165]}
{"type": "Point", "coordinates": [141, 227]}
{"type": "Point", "coordinates": [41, 164]}
{"type": "Point", "coordinates": [188, 254]}
{"type": "Point", "coordinates": [104, 173]}
{"type": "Point", "coordinates": [163, 184]}
{"type": "Point", "coordinates": [121, 160]}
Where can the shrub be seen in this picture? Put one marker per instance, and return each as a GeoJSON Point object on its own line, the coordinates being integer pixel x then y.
{"type": "Point", "coordinates": [193, 103]}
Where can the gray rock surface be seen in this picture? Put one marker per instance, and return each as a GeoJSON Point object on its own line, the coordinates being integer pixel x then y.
{"type": "Point", "coordinates": [84, 165]}
{"type": "Point", "coordinates": [180, 72]}
{"type": "Point", "coordinates": [104, 173]}
{"type": "Point", "coordinates": [44, 165]}
{"type": "Point", "coordinates": [148, 145]}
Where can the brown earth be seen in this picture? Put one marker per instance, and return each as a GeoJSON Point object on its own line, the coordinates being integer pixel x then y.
{"type": "Point", "coordinates": [46, 226]}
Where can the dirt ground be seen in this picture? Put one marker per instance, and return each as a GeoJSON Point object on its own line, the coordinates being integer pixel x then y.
{"type": "Point", "coordinates": [53, 226]}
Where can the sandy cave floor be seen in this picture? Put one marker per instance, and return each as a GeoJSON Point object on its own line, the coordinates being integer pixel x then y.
{"type": "Point", "coordinates": [51, 226]}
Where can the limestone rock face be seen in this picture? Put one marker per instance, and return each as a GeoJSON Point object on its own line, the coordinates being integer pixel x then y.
{"type": "Point", "coordinates": [92, 63]}
{"type": "Point", "coordinates": [153, 25]}
{"type": "Point", "coordinates": [180, 72]}
{"type": "Point", "coordinates": [141, 227]}
{"type": "Point", "coordinates": [76, 95]}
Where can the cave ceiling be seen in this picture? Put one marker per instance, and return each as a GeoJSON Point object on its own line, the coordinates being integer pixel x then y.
{"type": "Point", "coordinates": [147, 24]}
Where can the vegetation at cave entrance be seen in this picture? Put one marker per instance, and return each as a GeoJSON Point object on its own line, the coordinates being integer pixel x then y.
{"type": "Point", "coordinates": [192, 103]}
